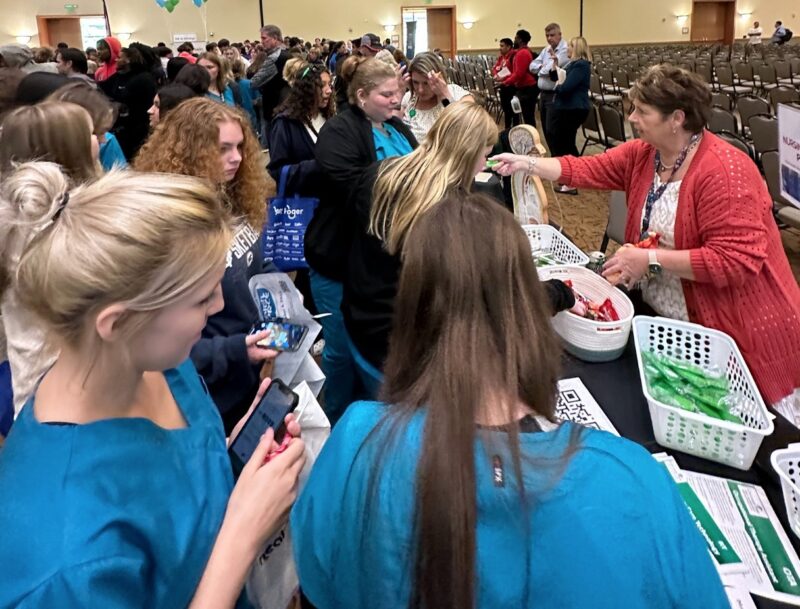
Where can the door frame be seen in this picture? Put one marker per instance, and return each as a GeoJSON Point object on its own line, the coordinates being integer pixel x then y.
{"type": "Point", "coordinates": [730, 19]}
{"type": "Point", "coordinates": [43, 31]}
{"type": "Point", "coordinates": [426, 8]}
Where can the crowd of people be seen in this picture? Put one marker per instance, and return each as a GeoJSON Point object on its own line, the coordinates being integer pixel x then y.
{"type": "Point", "coordinates": [133, 204]}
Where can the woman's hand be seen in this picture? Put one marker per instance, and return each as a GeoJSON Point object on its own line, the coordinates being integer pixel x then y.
{"type": "Point", "coordinates": [264, 493]}
{"type": "Point", "coordinates": [438, 85]}
{"type": "Point", "coordinates": [508, 163]}
{"type": "Point", "coordinates": [403, 78]}
{"type": "Point", "coordinates": [255, 353]}
{"type": "Point", "coordinates": [627, 266]}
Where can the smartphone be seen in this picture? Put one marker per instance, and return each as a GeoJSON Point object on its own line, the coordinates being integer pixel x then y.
{"type": "Point", "coordinates": [278, 401]}
{"type": "Point", "coordinates": [283, 335]}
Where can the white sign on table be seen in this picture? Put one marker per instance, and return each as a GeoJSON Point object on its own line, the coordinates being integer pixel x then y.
{"type": "Point", "coordinates": [789, 148]}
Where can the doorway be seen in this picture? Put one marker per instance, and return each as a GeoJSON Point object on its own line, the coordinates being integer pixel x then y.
{"type": "Point", "coordinates": [713, 21]}
{"type": "Point", "coordinates": [427, 29]}
{"type": "Point", "coordinates": [79, 32]}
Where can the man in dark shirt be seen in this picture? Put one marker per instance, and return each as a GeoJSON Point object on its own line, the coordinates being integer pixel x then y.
{"type": "Point", "coordinates": [269, 78]}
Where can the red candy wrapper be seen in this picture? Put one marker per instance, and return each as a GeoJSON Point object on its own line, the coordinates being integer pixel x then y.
{"type": "Point", "coordinates": [589, 309]}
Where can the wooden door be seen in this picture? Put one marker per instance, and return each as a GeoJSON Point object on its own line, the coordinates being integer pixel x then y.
{"type": "Point", "coordinates": [441, 30]}
{"type": "Point", "coordinates": [712, 21]}
{"type": "Point", "coordinates": [53, 30]}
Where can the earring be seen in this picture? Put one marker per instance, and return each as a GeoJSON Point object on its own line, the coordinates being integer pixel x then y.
{"type": "Point", "coordinates": [674, 131]}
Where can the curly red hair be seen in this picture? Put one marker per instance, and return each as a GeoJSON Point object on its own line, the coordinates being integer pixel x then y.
{"type": "Point", "coordinates": [186, 142]}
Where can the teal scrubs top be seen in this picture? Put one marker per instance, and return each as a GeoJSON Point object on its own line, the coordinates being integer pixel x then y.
{"type": "Point", "coordinates": [111, 154]}
{"type": "Point", "coordinates": [608, 532]}
{"type": "Point", "coordinates": [115, 513]}
{"type": "Point", "coordinates": [393, 144]}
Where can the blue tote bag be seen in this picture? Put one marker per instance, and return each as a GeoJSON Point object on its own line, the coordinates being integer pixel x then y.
{"type": "Point", "coordinates": [287, 221]}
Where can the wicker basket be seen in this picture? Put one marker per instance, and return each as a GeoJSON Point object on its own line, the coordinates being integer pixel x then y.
{"type": "Point", "coordinates": [588, 340]}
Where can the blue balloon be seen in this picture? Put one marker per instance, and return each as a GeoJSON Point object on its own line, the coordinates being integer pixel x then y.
{"type": "Point", "coordinates": [198, 3]}
{"type": "Point", "coordinates": [161, 3]}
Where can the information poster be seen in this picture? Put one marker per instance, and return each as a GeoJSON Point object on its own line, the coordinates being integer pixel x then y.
{"type": "Point", "coordinates": [789, 147]}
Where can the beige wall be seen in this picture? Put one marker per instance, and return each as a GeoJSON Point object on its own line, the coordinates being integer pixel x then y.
{"type": "Point", "coordinates": [234, 19]}
{"type": "Point", "coordinates": [630, 21]}
{"type": "Point", "coordinates": [493, 20]}
{"type": "Point", "coordinates": [605, 21]}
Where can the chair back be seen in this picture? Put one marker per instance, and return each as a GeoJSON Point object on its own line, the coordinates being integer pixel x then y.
{"type": "Point", "coordinates": [764, 133]}
{"type": "Point", "coordinates": [613, 123]}
{"type": "Point", "coordinates": [722, 120]}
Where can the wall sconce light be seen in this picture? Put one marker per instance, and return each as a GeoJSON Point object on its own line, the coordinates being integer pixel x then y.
{"type": "Point", "coordinates": [682, 19]}
{"type": "Point", "coordinates": [23, 39]}
{"type": "Point", "coordinates": [745, 15]}
{"type": "Point", "coordinates": [389, 27]}
{"type": "Point", "coordinates": [467, 24]}
{"type": "Point", "coordinates": [123, 36]}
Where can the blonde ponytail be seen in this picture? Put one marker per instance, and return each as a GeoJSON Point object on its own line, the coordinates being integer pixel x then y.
{"type": "Point", "coordinates": [142, 240]}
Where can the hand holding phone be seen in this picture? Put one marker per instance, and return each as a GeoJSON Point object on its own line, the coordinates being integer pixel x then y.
{"type": "Point", "coordinates": [270, 412]}
{"type": "Point", "coordinates": [281, 335]}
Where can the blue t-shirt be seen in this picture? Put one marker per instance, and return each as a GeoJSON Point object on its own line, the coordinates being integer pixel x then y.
{"type": "Point", "coordinates": [611, 531]}
{"type": "Point", "coordinates": [393, 144]}
{"type": "Point", "coordinates": [115, 513]}
{"type": "Point", "coordinates": [111, 154]}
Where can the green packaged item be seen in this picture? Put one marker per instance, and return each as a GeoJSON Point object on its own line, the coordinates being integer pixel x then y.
{"type": "Point", "coordinates": [688, 387]}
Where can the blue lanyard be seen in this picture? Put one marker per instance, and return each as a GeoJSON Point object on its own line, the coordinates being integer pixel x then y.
{"type": "Point", "coordinates": [654, 194]}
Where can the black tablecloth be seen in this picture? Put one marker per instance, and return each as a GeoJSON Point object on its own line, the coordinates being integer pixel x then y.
{"type": "Point", "coordinates": [617, 388]}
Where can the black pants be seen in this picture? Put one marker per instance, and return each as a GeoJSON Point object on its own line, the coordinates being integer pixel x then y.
{"type": "Point", "coordinates": [565, 125]}
{"type": "Point", "coordinates": [527, 99]}
{"type": "Point", "coordinates": [506, 93]}
{"type": "Point", "coordinates": [546, 99]}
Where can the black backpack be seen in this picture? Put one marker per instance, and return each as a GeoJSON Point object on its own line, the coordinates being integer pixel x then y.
{"type": "Point", "coordinates": [788, 35]}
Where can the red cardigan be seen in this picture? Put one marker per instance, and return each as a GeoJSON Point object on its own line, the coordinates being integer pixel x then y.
{"type": "Point", "coordinates": [743, 284]}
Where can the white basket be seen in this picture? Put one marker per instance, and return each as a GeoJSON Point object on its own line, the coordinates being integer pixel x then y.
{"type": "Point", "coordinates": [787, 463]}
{"type": "Point", "coordinates": [726, 442]}
{"type": "Point", "coordinates": [544, 238]}
{"type": "Point", "coordinates": [586, 339]}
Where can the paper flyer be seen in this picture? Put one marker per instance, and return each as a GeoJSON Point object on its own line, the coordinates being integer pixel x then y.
{"type": "Point", "coordinates": [744, 535]}
{"type": "Point", "coordinates": [576, 404]}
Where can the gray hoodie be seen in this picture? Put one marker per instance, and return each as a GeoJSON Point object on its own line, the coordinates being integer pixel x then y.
{"type": "Point", "coordinates": [21, 56]}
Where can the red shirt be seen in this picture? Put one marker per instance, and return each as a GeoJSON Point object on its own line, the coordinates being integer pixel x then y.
{"type": "Point", "coordinates": [503, 61]}
{"type": "Point", "coordinates": [520, 75]}
{"type": "Point", "coordinates": [743, 284]}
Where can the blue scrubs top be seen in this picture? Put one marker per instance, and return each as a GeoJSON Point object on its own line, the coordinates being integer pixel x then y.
{"type": "Point", "coordinates": [115, 513]}
{"type": "Point", "coordinates": [393, 144]}
{"type": "Point", "coordinates": [610, 531]}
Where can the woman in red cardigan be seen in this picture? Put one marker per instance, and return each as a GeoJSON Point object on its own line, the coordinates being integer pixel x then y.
{"type": "Point", "coordinates": [720, 261]}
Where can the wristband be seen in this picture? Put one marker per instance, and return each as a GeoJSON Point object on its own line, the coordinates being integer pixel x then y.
{"type": "Point", "coordinates": [531, 164]}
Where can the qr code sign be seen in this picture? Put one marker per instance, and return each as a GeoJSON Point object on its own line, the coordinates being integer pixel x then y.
{"type": "Point", "coordinates": [571, 408]}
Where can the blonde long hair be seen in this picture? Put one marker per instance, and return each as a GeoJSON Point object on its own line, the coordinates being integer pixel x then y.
{"type": "Point", "coordinates": [409, 186]}
{"type": "Point", "coordinates": [143, 240]}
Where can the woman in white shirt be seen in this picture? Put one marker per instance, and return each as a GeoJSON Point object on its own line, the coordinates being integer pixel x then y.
{"type": "Point", "coordinates": [429, 94]}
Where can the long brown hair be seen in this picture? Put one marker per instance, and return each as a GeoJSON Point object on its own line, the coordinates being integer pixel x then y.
{"type": "Point", "coordinates": [482, 346]}
{"type": "Point", "coordinates": [168, 151]}
{"type": "Point", "coordinates": [54, 131]}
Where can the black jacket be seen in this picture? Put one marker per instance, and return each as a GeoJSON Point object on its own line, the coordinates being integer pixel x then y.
{"type": "Point", "coordinates": [345, 148]}
{"type": "Point", "coordinates": [370, 285]}
{"type": "Point", "coordinates": [134, 91]}
{"type": "Point", "coordinates": [276, 90]}
{"type": "Point", "coordinates": [290, 144]}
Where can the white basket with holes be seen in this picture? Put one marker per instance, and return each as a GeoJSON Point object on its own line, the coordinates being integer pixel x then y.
{"type": "Point", "coordinates": [786, 462]}
{"type": "Point", "coordinates": [725, 442]}
{"type": "Point", "coordinates": [588, 340]}
{"type": "Point", "coordinates": [548, 244]}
